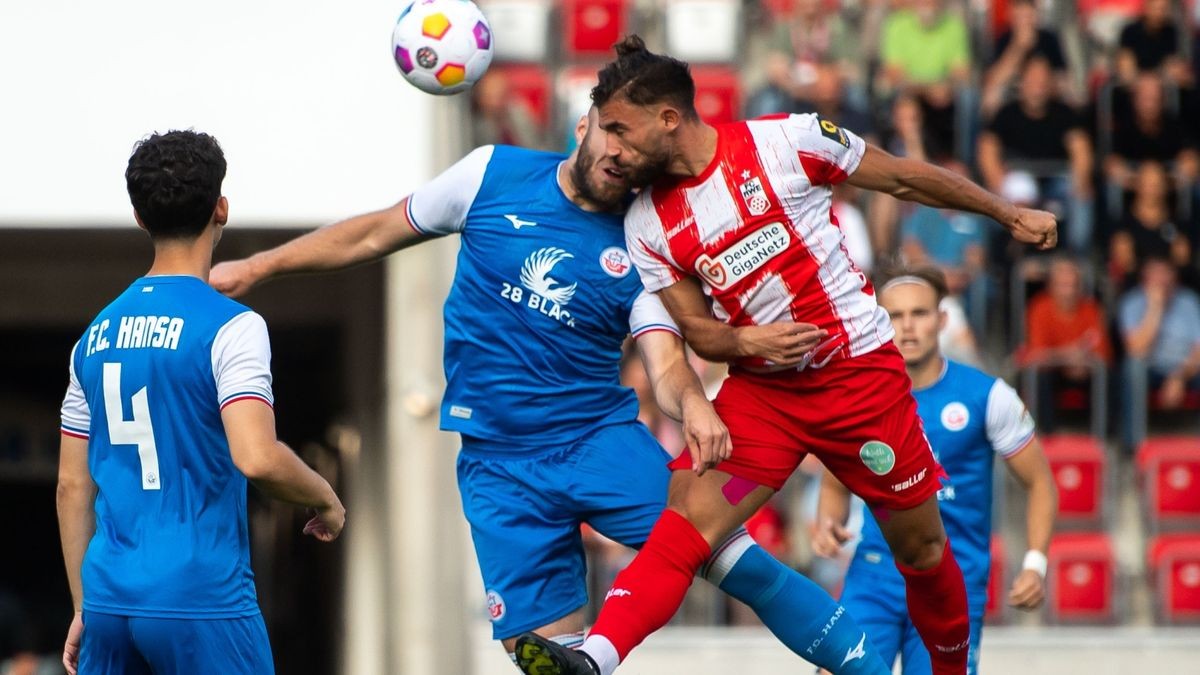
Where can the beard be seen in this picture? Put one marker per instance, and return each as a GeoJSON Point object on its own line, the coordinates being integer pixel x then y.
{"type": "Point", "coordinates": [653, 169]}
{"type": "Point", "coordinates": [606, 197]}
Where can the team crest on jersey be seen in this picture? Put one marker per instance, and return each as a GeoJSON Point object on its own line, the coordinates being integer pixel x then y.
{"type": "Point", "coordinates": [539, 290]}
{"type": "Point", "coordinates": [755, 196]}
{"type": "Point", "coordinates": [615, 262]}
{"type": "Point", "coordinates": [495, 606]}
{"type": "Point", "coordinates": [955, 416]}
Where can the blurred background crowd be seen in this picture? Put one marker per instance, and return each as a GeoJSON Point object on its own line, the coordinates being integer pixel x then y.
{"type": "Point", "coordinates": [1088, 109]}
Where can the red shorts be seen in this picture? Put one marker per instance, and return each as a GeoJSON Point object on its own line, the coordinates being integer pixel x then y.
{"type": "Point", "coordinates": [856, 415]}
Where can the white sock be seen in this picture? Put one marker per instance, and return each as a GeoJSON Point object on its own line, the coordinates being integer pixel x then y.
{"type": "Point", "coordinates": [569, 640]}
{"type": "Point", "coordinates": [602, 652]}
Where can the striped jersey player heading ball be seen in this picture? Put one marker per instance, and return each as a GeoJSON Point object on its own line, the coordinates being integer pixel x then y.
{"type": "Point", "coordinates": [734, 233]}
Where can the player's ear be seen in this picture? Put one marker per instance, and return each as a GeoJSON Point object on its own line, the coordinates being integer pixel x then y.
{"type": "Point", "coordinates": [669, 117]}
{"type": "Point", "coordinates": [138, 220]}
{"type": "Point", "coordinates": [581, 128]}
{"type": "Point", "coordinates": [220, 214]}
{"type": "Point", "coordinates": [943, 318]}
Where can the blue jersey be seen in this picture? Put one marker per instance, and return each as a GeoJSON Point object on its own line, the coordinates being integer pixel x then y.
{"type": "Point", "coordinates": [543, 297]}
{"type": "Point", "coordinates": [148, 380]}
{"type": "Point", "coordinates": [969, 418]}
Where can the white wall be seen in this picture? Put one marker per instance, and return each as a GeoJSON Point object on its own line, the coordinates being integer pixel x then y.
{"type": "Point", "coordinates": [314, 117]}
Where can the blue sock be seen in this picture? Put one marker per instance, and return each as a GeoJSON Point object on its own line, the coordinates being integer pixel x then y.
{"type": "Point", "coordinates": [800, 613]}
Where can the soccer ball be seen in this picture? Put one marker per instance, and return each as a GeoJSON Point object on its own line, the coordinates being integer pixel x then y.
{"type": "Point", "coordinates": [442, 46]}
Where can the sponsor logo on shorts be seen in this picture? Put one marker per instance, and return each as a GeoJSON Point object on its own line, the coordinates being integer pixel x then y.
{"type": "Point", "coordinates": [615, 262]}
{"type": "Point", "coordinates": [911, 481]}
{"type": "Point", "coordinates": [955, 416]}
{"type": "Point", "coordinates": [745, 256]}
{"type": "Point", "coordinates": [878, 456]}
{"type": "Point", "coordinates": [496, 607]}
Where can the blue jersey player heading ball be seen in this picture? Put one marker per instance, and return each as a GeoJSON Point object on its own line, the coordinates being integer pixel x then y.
{"type": "Point", "coordinates": [543, 296]}
{"type": "Point", "coordinates": [167, 414]}
{"type": "Point", "coordinates": [970, 417]}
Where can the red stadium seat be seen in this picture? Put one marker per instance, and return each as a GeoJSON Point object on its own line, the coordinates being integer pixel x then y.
{"type": "Point", "coordinates": [1170, 469]}
{"type": "Point", "coordinates": [718, 94]}
{"type": "Point", "coordinates": [532, 85]}
{"type": "Point", "coordinates": [592, 27]}
{"type": "Point", "coordinates": [1078, 464]}
{"type": "Point", "coordinates": [1082, 578]}
{"type": "Point", "coordinates": [1174, 564]}
{"type": "Point", "coordinates": [997, 582]}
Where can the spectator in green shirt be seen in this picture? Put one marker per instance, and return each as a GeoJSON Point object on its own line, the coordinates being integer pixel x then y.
{"type": "Point", "coordinates": [925, 52]}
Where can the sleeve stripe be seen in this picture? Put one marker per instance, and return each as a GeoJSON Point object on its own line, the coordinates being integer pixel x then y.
{"type": "Point", "coordinates": [247, 396]}
{"type": "Point", "coordinates": [1025, 443]}
{"type": "Point", "coordinates": [412, 220]}
{"type": "Point", "coordinates": [73, 433]}
{"type": "Point", "coordinates": [653, 327]}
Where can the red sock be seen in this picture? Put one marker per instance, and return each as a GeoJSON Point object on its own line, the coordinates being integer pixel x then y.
{"type": "Point", "coordinates": [647, 593]}
{"type": "Point", "coordinates": [937, 603]}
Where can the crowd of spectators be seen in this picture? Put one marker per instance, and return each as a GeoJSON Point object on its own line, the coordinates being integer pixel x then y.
{"type": "Point", "coordinates": [1088, 109]}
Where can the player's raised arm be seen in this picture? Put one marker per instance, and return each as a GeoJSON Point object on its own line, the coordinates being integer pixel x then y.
{"type": "Point", "coordinates": [677, 389]}
{"type": "Point", "coordinates": [440, 207]}
{"type": "Point", "coordinates": [833, 509]}
{"type": "Point", "coordinates": [782, 344]}
{"type": "Point", "coordinates": [925, 183]}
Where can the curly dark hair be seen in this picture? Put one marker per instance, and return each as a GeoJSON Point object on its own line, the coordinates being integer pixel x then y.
{"type": "Point", "coordinates": [644, 78]}
{"type": "Point", "coordinates": [174, 182]}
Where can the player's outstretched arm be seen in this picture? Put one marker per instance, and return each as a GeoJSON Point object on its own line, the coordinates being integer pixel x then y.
{"type": "Point", "coordinates": [276, 470]}
{"type": "Point", "coordinates": [76, 496]}
{"type": "Point", "coordinates": [680, 395]}
{"type": "Point", "coordinates": [833, 509]}
{"type": "Point", "coordinates": [1032, 471]}
{"type": "Point", "coordinates": [360, 239]}
{"type": "Point", "coordinates": [783, 344]}
{"type": "Point", "coordinates": [931, 185]}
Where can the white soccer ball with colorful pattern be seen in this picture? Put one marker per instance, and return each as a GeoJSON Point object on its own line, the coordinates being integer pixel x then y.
{"type": "Point", "coordinates": [442, 46]}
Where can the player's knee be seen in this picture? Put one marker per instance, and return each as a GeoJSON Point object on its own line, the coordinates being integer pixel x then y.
{"type": "Point", "coordinates": [921, 550]}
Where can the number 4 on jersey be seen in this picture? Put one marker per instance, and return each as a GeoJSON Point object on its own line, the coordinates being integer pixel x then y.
{"type": "Point", "coordinates": [138, 431]}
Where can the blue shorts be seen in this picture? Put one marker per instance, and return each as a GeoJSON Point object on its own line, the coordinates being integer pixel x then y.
{"type": "Point", "coordinates": [131, 645]}
{"type": "Point", "coordinates": [525, 514]}
{"type": "Point", "coordinates": [879, 606]}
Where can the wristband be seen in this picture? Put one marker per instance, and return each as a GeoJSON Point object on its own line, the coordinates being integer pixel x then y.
{"type": "Point", "coordinates": [1036, 561]}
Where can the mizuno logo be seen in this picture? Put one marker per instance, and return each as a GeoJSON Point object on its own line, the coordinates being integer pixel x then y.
{"type": "Point", "coordinates": [517, 223]}
{"type": "Point", "coordinates": [858, 652]}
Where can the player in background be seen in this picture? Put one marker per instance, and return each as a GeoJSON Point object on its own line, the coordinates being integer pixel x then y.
{"type": "Point", "coordinates": [543, 297]}
{"type": "Point", "coordinates": [734, 230]}
{"type": "Point", "coordinates": [168, 413]}
{"type": "Point", "coordinates": [970, 418]}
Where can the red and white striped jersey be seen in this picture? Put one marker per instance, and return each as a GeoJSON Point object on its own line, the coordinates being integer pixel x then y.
{"type": "Point", "coordinates": [756, 227]}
